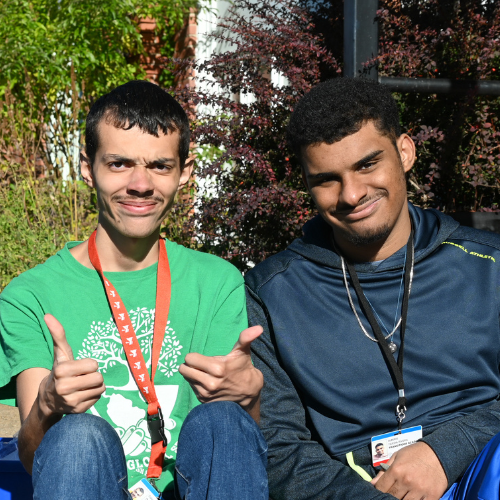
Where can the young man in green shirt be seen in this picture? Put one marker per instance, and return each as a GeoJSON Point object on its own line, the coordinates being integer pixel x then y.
{"type": "Point", "coordinates": [77, 334]}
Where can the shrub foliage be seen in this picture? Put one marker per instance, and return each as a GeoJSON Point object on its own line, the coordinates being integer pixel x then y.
{"type": "Point", "coordinates": [257, 204]}
{"type": "Point", "coordinates": [42, 40]}
{"type": "Point", "coordinates": [458, 136]}
{"type": "Point", "coordinates": [252, 202]}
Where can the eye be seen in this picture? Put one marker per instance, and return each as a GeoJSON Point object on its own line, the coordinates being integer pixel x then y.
{"type": "Point", "coordinates": [162, 167]}
{"type": "Point", "coordinates": [368, 165]}
{"type": "Point", "coordinates": [322, 182]}
{"type": "Point", "coordinates": [326, 180]}
{"type": "Point", "coordinates": [117, 165]}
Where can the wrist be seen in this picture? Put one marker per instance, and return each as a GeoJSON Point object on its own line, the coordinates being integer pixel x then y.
{"type": "Point", "coordinates": [44, 412]}
{"type": "Point", "coordinates": [253, 408]}
{"type": "Point", "coordinates": [256, 386]}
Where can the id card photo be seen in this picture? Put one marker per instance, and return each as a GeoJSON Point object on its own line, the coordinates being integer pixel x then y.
{"type": "Point", "coordinates": [385, 445]}
{"type": "Point", "coordinates": [143, 491]}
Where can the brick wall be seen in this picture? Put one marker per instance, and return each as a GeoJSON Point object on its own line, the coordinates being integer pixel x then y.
{"type": "Point", "coordinates": [185, 48]}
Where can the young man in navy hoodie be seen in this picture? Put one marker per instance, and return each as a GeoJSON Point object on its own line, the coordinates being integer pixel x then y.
{"type": "Point", "coordinates": [374, 279]}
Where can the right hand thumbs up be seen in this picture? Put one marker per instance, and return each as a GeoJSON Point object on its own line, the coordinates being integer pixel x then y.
{"type": "Point", "coordinates": [62, 350]}
{"type": "Point", "coordinates": [72, 386]}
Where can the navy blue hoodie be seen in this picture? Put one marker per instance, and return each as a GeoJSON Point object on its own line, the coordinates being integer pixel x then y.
{"type": "Point", "coordinates": [327, 388]}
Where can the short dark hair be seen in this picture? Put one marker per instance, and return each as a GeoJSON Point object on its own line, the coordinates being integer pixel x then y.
{"type": "Point", "coordinates": [339, 107]}
{"type": "Point", "coordinates": [138, 104]}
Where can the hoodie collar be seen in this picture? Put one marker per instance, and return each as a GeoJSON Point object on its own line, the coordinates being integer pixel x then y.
{"type": "Point", "coordinates": [431, 229]}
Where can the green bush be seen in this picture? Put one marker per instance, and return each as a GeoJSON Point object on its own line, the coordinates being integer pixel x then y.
{"type": "Point", "coordinates": [37, 217]}
{"type": "Point", "coordinates": [41, 41]}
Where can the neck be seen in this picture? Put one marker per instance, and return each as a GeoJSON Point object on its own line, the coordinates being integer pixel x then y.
{"type": "Point", "coordinates": [118, 253]}
{"type": "Point", "coordinates": [378, 250]}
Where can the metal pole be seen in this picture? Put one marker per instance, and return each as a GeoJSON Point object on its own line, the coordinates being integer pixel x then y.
{"type": "Point", "coordinates": [360, 37]}
{"type": "Point", "coordinates": [441, 85]}
{"type": "Point", "coordinates": [361, 45]}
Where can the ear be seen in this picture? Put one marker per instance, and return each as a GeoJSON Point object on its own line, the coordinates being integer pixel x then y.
{"type": "Point", "coordinates": [86, 169]}
{"type": "Point", "coordinates": [407, 153]}
{"type": "Point", "coordinates": [186, 172]}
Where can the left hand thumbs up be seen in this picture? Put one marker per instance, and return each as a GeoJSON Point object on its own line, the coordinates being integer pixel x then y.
{"type": "Point", "coordinates": [247, 336]}
{"type": "Point", "coordinates": [226, 378]}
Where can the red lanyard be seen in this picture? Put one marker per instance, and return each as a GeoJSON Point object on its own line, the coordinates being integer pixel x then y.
{"type": "Point", "coordinates": [133, 351]}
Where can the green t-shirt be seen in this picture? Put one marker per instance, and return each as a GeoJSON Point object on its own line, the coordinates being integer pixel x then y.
{"type": "Point", "coordinates": [207, 313]}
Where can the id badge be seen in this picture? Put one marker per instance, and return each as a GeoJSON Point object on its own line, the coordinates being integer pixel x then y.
{"type": "Point", "coordinates": [144, 491]}
{"type": "Point", "coordinates": [385, 445]}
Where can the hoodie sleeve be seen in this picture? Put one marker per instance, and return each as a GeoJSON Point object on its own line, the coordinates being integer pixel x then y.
{"type": "Point", "coordinates": [298, 466]}
{"type": "Point", "coordinates": [458, 442]}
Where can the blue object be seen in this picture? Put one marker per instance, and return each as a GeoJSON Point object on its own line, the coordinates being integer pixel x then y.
{"type": "Point", "coordinates": [7, 446]}
{"type": "Point", "coordinates": [15, 482]}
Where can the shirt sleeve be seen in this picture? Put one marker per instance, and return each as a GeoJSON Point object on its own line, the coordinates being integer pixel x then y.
{"type": "Point", "coordinates": [298, 466]}
{"type": "Point", "coordinates": [229, 317]}
{"type": "Point", "coordinates": [23, 338]}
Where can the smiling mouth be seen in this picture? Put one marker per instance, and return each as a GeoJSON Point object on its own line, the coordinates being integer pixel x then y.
{"type": "Point", "coordinates": [361, 211]}
{"type": "Point", "coordinates": [138, 207]}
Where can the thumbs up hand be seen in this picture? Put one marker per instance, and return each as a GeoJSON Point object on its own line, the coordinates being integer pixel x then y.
{"type": "Point", "coordinates": [227, 378]}
{"type": "Point", "coordinates": [72, 386]}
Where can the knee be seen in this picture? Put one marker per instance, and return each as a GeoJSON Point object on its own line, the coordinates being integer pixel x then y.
{"type": "Point", "coordinates": [80, 446]}
{"type": "Point", "coordinates": [223, 420]}
{"type": "Point", "coordinates": [214, 415]}
{"type": "Point", "coordinates": [75, 430]}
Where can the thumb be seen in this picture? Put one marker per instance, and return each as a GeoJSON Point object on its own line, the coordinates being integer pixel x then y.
{"type": "Point", "coordinates": [62, 350]}
{"type": "Point", "coordinates": [385, 466]}
{"type": "Point", "coordinates": [245, 339]}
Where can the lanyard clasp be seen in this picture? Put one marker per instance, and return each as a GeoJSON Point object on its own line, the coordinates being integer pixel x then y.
{"type": "Point", "coordinates": [400, 415]}
{"type": "Point", "coordinates": [156, 427]}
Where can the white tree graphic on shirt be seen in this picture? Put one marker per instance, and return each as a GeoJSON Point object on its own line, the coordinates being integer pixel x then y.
{"type": "Point", "coordinates": [103, 343]}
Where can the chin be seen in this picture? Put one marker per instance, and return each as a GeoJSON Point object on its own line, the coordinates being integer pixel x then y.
{"type": "Point", "coordinates": [137, 232]}
{"type": "Point", "coordinates": [367, 237]}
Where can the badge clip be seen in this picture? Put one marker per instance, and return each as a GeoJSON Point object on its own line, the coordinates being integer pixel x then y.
{"type": "Point", "coordinates": [156, 427]}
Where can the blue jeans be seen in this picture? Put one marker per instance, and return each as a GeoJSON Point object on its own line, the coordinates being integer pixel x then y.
{"type": "Point", "coordinates": [234, 459]}
{"type": "Point", "coordinates": [221, 454]}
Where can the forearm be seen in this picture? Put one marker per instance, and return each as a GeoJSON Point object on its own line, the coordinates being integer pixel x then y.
{"type": "Point", "coordinates": [32, 431]}
{"type": "Point", "coordinates": [458, 442]}
{"type": "Point", "coordinates": [72, 386]}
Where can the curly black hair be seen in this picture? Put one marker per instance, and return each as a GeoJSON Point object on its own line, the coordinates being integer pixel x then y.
{"type": "Point", "coordinates": [140, 104]}
{"type": "Point", "coordinates": [339, 107]}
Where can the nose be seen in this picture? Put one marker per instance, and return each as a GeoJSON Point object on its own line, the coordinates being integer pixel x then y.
{"type": "Point", "coordinates": [140, 182]}
{"type": "Point", "coordinates": [352, 190]}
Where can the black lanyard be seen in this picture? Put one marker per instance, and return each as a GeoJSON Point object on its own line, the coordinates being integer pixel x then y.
{"type": "Point", "coordinates": [396, 368]}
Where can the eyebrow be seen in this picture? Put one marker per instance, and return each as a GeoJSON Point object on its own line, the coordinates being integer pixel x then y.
{"type": "Point", "coordinates": [124, 159]}
{"type": "Point", "coordinates": [366, 159]}
{"type": "Point", "coordinates": [331, 175]}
